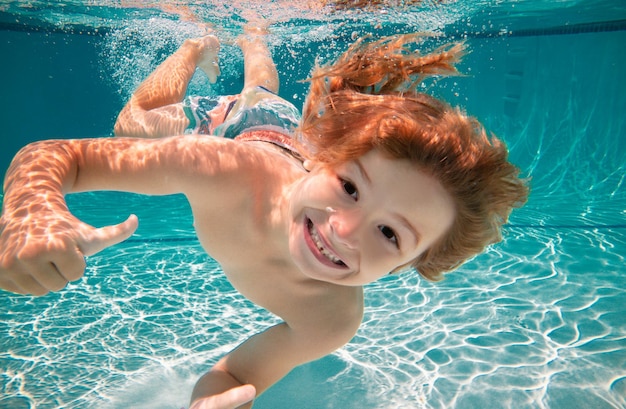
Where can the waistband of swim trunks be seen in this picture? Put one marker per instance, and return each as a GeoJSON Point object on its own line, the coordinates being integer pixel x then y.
{"type": "Point", "coordinates": [274, 137]}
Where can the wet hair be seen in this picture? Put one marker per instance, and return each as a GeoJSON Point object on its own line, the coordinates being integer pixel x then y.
{"type": "Point", "coordinates": [368, 100]}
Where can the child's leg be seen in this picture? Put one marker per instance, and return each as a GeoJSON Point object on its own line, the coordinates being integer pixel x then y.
{"type": "Point", "coordinates": [154, 110]}
{"type": "Point", "coordinates": [259, 67]}
{"type": "Point", "coordinates": [258, 106]}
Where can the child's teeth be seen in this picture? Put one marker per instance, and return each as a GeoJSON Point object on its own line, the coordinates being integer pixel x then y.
{"type": "Point", "coordinates": [321, 248]}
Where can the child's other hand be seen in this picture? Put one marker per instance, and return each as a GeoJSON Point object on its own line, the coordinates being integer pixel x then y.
{"type": "Point", "coordinates": [38, 256]}
{"type": "Point", "coordinates": [231, 399]}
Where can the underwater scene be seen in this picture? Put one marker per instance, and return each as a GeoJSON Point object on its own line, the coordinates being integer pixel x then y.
{"type": "Point", "coordinates": [537, 321]}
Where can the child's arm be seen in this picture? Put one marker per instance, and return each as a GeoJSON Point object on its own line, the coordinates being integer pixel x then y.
{"type": "Point", "coordinates": [265, 358]}
{"type": "Point", "coordinates": [42, 245]}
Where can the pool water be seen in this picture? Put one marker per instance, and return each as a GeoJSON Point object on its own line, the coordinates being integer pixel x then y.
{"type": "Point", "coordinates": [538, 321]}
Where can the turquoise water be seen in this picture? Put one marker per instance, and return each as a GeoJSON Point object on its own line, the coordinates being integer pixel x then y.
{"type": "Point", "coordinates": [538, 321]}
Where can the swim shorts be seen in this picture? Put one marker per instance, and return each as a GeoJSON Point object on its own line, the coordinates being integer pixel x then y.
{"type": "Point", "coordinates": [230, 116]}
{"type": "Point", "coordinates": [205, 113]}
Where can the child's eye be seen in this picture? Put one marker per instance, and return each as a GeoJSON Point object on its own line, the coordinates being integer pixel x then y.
{"type": "Point", "coordinates": [350, 189]}
{"type": "Point", "coordinates": [389, 234]}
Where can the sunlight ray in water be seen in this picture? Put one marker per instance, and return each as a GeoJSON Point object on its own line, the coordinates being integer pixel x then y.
{"type": "Point", "coordinates": [481, 333]}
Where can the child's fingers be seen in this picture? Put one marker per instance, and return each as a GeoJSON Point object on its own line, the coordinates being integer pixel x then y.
{"type": "Point", "coordinates": [22, 283]}
{"type": "Point", "coordinates": [231, 399]}
{"type": "Point", "coordinates": [238, 396]}
{"type": "Point", "coordinates": [70, 265]}
{"type": "Point", "coordinates": [54, 275]}
{"type": "Point", "coordinates": [104, 237]}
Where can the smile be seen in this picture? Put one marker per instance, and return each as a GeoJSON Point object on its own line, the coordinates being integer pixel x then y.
{"type": "Point", "coordinates": [322, 253]}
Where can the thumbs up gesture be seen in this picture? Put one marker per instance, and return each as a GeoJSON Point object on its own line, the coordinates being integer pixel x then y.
{"type": "Point", "coordinates": [42, 251]}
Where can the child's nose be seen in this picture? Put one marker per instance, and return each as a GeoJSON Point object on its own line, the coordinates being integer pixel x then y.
{"type": "Point", "coordinates": [344, 226]}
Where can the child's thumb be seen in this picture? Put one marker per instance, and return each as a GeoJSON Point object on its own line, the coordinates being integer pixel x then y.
{"type": "Point", "coordinates": [109, 235]}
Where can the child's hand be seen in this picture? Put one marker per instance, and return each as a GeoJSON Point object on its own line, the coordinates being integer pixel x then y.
{"type": "Point", "coordinates": [43, 251]}
{"type": "Point", "coordinates": [231, 399]}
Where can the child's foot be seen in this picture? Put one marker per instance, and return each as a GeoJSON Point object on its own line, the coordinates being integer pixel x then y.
{"type": "Point", "coordinates": [208, 60]}
{"type": "Point", "coordinates": [253, 33]}
{"type": "Point", "coordinates": [257, 27]}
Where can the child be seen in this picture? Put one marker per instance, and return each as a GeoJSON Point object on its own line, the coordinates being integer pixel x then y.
{"type": "Point", "coordinates": [375, 179]}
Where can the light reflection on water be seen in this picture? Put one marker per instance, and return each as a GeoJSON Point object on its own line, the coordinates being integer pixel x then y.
{"type": "Point", "coordinates": [538, 330]}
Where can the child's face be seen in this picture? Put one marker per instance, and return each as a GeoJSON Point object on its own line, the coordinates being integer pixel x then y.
{"type": "Point", "coordinates": [355, 223]}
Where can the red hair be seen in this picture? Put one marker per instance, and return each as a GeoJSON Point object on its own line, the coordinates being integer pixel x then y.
{"type": "Point", "coordinates": [367, 100]}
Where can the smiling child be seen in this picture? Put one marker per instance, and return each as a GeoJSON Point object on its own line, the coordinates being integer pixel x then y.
{"type": "Point", "coordinates": [375, 178]}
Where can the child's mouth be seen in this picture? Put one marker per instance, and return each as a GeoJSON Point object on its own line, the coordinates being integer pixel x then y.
{"type": "Point", "coordinates": [320, 246]}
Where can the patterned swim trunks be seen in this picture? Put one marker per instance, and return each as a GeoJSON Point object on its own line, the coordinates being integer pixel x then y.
{"type": "Point", "coordinates": [229, 116]}
{"type": "Point", "coordinates": [206, 113]}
